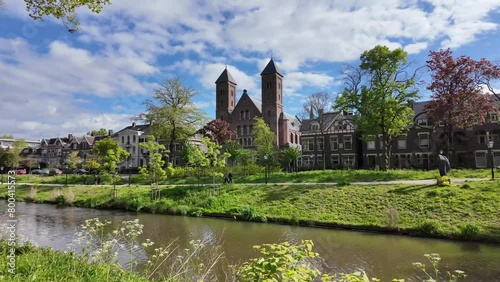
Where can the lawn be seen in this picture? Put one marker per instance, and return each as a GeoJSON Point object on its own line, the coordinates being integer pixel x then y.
{"type": "Point", "coordinates": [470, 211]}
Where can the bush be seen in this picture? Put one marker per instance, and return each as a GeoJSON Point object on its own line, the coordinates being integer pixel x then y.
{"type": "Point", "coordinates": [469, 231]}
{"type": "Point", "coordinates": [428, 227]}
{"type": "Point", "coordinates": [61, 200]}
{"type": "Point", "coordinates": [183, 209]}
{"type": "Point", "coordinates": [444, 181]}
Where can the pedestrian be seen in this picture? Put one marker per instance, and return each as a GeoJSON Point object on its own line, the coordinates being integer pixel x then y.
{"type": "Point", "coordinates": [230, 176]}
{"type": "Point", "coordinates": [226, 178]}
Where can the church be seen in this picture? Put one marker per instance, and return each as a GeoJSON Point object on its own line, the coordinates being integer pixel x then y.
{"type": "Point", "coordinates": [240, 115]}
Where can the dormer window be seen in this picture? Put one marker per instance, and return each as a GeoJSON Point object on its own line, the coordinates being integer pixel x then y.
{"type": "Point", "coordinates": [422, 121]}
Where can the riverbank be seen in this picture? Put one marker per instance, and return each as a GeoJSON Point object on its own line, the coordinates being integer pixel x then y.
{"type": "Point", "coordinates": [469, 211]}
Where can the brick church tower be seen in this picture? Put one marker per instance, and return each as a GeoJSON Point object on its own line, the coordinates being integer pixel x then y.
{"type": "Point", "coordinates": [225, 95]}
{"type": "Point", "coordinates": [272, 97]}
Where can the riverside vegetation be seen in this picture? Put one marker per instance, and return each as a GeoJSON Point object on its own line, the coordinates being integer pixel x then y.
{"type": "Point", "coordinates": [99, 245]}
{"type": "Point", "coordinates": [469, 211]}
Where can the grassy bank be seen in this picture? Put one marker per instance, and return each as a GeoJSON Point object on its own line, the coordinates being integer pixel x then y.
{"type": "Point", "coordinates": [189, 176]}
{"type": "Point", "coordinates": [470, 211]}
{"type": "Point", "coordinates": [43, 264]}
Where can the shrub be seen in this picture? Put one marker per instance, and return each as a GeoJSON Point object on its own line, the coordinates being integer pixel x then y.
{"type": "Point", "coordinates": [183, 209]}
{"type": "Point", "coordinates": [392, 215]}
{"type": "Point", "coordinates": [469, 231]}
{"type": "Point", "coordinates": [32, 194]}
{"type": "Point", "coordinates": [428, 227]}
{"type": "Point", "coordinates": [444, 181]}
{"type": "Point", "coordinates": [70, 196]}
{"type": "Point", "coordinates": [61, 200]}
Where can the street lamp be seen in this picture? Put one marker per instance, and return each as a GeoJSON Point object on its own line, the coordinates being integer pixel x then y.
{"type": "Point", "coordinates": [265, 168]}
{"type": "Point", "coordinates": [1, 168]}
{"type": "Point", "coordinates": [129, 173]}
{"type": "Point", "coordinates": [490, 146]}
{"type": "Point", "coordinates": [66, 173]}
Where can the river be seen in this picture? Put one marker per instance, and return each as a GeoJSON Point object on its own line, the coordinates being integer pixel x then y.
{"type": "Point", "coordinates": [380, 255]}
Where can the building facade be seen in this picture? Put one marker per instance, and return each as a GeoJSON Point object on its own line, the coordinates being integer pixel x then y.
{"type": "Point", "coordinates": [240, 114]}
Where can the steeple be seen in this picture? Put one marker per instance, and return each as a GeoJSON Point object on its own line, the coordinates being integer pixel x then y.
{"type": "Point", "coordinates": [225, 76]}
{"type": "Point", "coordinates": [271, 68]}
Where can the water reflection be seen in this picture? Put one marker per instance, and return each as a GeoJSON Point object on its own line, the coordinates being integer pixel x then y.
{"type": "Point", "coordinates": [382, 256]}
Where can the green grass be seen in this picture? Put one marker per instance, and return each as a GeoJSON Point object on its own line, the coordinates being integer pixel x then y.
{"type": "Point", "coordinates": [187, 176]}
{"type": "Point", "coordinates": [470, 211]}
{"type": "Point", "coordinates": [44, 264]}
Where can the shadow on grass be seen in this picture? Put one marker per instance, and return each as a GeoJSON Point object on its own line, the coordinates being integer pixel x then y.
{"type": "Point", "coordinates": [410, 189]}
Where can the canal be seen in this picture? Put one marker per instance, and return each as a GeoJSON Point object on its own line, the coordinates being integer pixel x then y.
{"type": "Point", "coordinates": [380, 255]}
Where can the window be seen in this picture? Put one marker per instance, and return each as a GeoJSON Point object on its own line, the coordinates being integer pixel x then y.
{"type": "Point", "coordinates": [238, 130]}
{"type": "Point", "coordinates": [177, 147]}
{"type": "Point", "coordinates": [296, 139]}
{"type": "Point", "coordinates": [402, 141]}
{"type": "Point", "coordinates": [347, 142]}
{"type": "Point", "coordinates": [493, 117]}
{"type": "Point", "coordinates": [133, 150]}
{"type": "Point", "coordinates": [496, 159]}
{"type": "Point", "coordinates": [232, 93]}
{"type": "Point", "coordinates": [481, 137]}
{"type": "Point", "coordinates": [423, 140]}
{"type": "Point", "coordinates": [291, 137]}
{"type": "Point", "coordinates": [422, 121]}
{"type": "Point", "coordinates": [244, 129]}
{"type": "Point", "coordinates": [308, 144]}
{"type": "Point", "coordinates": [279, 85]}
{"type": "Point", "coordinates": [123, 139]}
{"type": "Point", "coordinates": [250, 129]}
{"type": "Point", "coordinates": [128, 139]}
{"type": "Point", "coordinates": [335, 160]}
{"type": "Point", "coordinates": [481, 160]}
{"type": "Point", "coordinates": [348, 161]}
{"type": "Point", "coordinates": [133, 139]}
{"type": "Point", "coordinates": [247, 115]}
{"type": "Point", "coordinates": [268, 113]}
{"type": "Point", "coordinates": [241, 115]}
{"type": "Point", "coordinates": [315, 126]}
{"type": "Point", "coordinates": [370, 142]}
{"type": "Point", "coordinates": [319, 142]}
{"type": "Point", "coordinates": [334, 143]}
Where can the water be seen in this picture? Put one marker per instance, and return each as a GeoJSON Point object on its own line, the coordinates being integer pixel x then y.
{"type": "Point", "coordinates": [380, 255]}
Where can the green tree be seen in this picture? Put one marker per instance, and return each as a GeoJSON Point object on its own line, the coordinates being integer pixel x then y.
{"type": "Point", "coordinates": [233, 148]}
{"type": "Point", "coordinates": [154, 170]}
{"type": "Point", "coordinates": [17, 148]}
{"type": "Point", "coordinates": [216, 159]}
{"type": "Point", "coordinates": [110, 155]}
{"type": "Point", "coordinates": [265, 141]}
{"type": "Point", "coordinates": [29, 162]}
{"type": "Point", "coordinates": [7, 136]}
{"type": "Point", "coordinates": [73, 160]}
{"type": "Point", "coordinates": [99, 132]}
{"type": "Point", "coordinates": [6, 158]}
{"type": "Point", "coordinates": [380, 92]}
{"type": "Point", "coordinates": [172, 112]}
{"type": "Point", "coordinates": [290, 156]}
{"type": "Point", "coordinates": [62, 9]}
{"type": "Point", "coordinates": [193, 156]}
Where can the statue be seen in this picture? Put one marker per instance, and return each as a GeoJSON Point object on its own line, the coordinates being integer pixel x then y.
{"type": "Point", "coordinates": [443, 164]}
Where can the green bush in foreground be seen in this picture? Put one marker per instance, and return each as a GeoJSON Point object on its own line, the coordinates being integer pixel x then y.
{"type": "Point", "coordinates": [100, 245]}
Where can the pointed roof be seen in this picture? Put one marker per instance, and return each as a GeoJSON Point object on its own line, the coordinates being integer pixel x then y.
{"type": "Point", "coordinates": [271, 68]}
{"type": "Point", "coordinates": [225, 76]}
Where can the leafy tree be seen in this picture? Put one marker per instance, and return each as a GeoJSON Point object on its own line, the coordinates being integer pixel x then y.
{"type": "Point", "coordinates": [110, 155]}
{"type": "Point", "coordinates": [92, 164]}
{"type": "Point", "coordinates": [6, 158]}
{"type": "Point", "coordinates": [233, 148]}
{"type": "Point", "coordinates": [457, 86]}
{"type": "Point", "coordinates": [100, 132]}
{"type": "Point", "coordinates": [290, 156]}
{"type": "Point", "coordinates": [216, 159]}
{"type": "Point", "coordinates": [313, 109]}
{"type": "Point", "coordinates": [29, 162]}
{"type": "Point", "coordinates": [62, 9]}
{"type": "Point", "coordinates": [381, 92]}
{"type": "Point", "coordinates": [17, 147]}
{"type": "Point", "coordinates": [172, 112]}
{"type": "Point", "coordinates": [217, 131]}
{"type": "Point", "coordinates": [73, 160]}
{"type": "Point", "coordinates": [154, 169]}
{"type": "Point", "coordinates": [7, 136]}
{"type": "Point", "coordinates": [265, 140]}
{"type": "Point", "coordinates": [193, 156]}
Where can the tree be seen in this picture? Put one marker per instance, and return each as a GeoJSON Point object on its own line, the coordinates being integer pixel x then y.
{"type": "Point", "coordinates": [73, 160]}
{"type": "Point", "coordinates": [290, 156]}
{"type": "Point", "coordinates": [62, 9]}
{"type": "Point", "coordinates": [154, 169]}
{"type": "Point", "coordinates": [172, 112]}
{"type": "Point", "coordinates": [457, 87]}
{"type": "Point", "coordinates": [235, 149]}
{"type": "Point", "coordinates": [7, 136]}
{"type": "Point", "coordinates": [29, 162]}
{"type": "Point", "coordinates": [17, 147]}
{"type": "Point", "coordinates": [6, 158]}
{"type": "Point", "coordinates": [380, 92]}
{"type": "Point", "coordinates": [99, 132]}
{"type": "Point", "coordinates": [218, 131]}
{"type": "Point", "coordinates": [92, 164]}
{"type": "Point", "coordinates": [193, 156]}
{"type": "Point", "coordinates": [265, 141]}
{"type": "Point", "coordinates": [216, 159]}
{"type": "Point", "coordinates": [314, 108]}
{"type": "Point", "coordinates": [110, 155]}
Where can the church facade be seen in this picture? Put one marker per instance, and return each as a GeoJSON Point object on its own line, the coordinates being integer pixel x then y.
{"type": "Point", "coordinates": [240, 114]}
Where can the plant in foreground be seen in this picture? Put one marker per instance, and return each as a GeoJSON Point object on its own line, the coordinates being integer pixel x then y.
{"type": "Point", "coordinates": [434, 275]}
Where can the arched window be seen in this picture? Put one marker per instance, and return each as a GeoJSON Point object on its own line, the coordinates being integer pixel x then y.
{"type": "Point", "coordinates": [244, 129]}
{"type": "Point", "coordinates": [291, 137]}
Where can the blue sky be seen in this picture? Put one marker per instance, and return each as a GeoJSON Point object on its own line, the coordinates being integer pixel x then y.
{"type": "Point", "coordinates": [53, 82]}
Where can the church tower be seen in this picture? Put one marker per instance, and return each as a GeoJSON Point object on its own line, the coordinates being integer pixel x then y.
{"type": "Point", "coordinates": [272, 96]}
{"type": "Point", "coordinates": [225, 95]}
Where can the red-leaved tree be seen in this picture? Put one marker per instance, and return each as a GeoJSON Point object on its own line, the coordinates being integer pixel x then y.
{"type": "Point", "coordinates": [217, 131]}
{"type": "Point", "coordinates": [459, 91]}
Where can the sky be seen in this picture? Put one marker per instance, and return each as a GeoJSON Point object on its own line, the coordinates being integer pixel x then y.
{"type": "Point", "coordinates": [54, 83]}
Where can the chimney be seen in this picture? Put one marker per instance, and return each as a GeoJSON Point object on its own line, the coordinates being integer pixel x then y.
{"type": "Point", "coordinates": [133, 124]}
{"type": "Point", "coordinates": [320, 112]}
{"type": "Point", "coordinates": [70, 136]}
{"type": "Point", "coordinates": [311, 114]}
{"type": "Point", "coordinates": [110, 132]}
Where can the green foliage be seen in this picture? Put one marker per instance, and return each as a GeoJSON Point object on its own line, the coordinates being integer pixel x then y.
{"type": "Point", "coordinates": [428, 227]}
{"type": "Point", "coordinates": [73, 160]}
{"type": "Point", "coordinates": [469, 231]}
{"type": "Point", "coordinates": [98, 132]}
{"type": "Point", "coordinates": [216, 159]}
{"type": "Point", "coordinates": [110, 154]}
{"type": "Point", "coordinates": [265, 139]}
{"type": "Point", "coordinates": [61, 200]}
{"type": "Point", "coordinates": [280, 262]}
{"type": "Point", "coordinates": [433, 275]}
{"type": "Point", "coordinates": [6, 158]}
{"type": "Point", "coordinates": [154, 169]}
{"type": "Point", "coordinates": [444, 181]}
{"type": "Point", "coordinates": [65, 10]}
{"type": "Point", "coordinates": [290, 155]}
{"type": "Point", "coordinates": [381, 92]}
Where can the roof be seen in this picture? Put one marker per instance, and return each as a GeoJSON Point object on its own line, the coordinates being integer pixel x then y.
{"type": "Point", "coordinates": [419, 109]}
{"type": "Point", "coordinates": [136, 127]}
{"type": "Point", "coordinates": [293, 122]}
{"type": "Point", "coordinates": [225, 76]}
{"type": "Point", "coordinates": [271, 68]}
{"type": "Point", "coordinates": [327, 119]}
